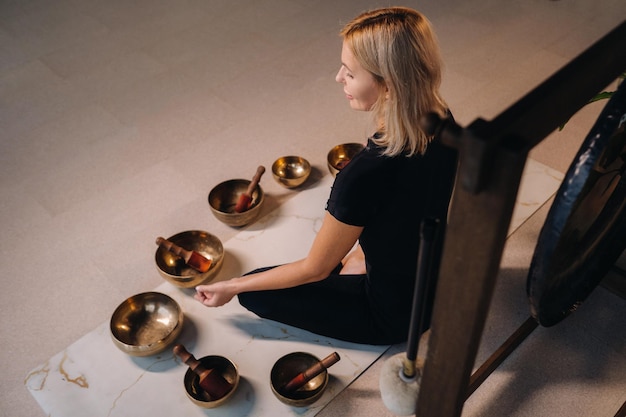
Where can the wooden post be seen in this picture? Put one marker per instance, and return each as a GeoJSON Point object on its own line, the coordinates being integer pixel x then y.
{"type": "Point", "coordinates": [493, 155]}
{"type": "Point", "coordinates": [466, 284]}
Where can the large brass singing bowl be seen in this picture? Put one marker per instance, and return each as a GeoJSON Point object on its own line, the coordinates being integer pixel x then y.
{"type": "Point", "coordinates": [146, 323]}
{"type": "Point", "coordinates": [289, 366]}
{"type": "Point", "coordinates": [223, 366]}
{"type": "Point", "coordinates": [339, 156]}
{"type": "Point", "coordinates": [173, 268]}
{"type": "Point", "coordinates": [291, 171]}
{"type": "Point", "coordinates": [224, 196]}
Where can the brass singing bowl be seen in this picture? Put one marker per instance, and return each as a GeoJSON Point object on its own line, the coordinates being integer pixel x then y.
{"type": "Point", "coordinates": [173, 268]}
{"type": "Point", "coordinates": [291, 171]}
{"type": "Point", "coordinates": [219, 364]}
{"type": "Point", "coordinates": [289, 366]}
{"type": "Point", "coordinates": [224, 196]}
{"type": "Point", "coordinates": [339, 156]}
{"type": "Point", "coordinates": [146, 324]}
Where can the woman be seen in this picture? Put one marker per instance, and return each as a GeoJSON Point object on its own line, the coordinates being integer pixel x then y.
{"type": "Point", "coordinates": [390, 66]}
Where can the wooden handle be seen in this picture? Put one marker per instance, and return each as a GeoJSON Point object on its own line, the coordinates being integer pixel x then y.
{"type": "Point", "coordinates": [190, 360]}
{"type": "Point", "coordinates": [330, 360]}
{"type": "Point", "coordinates": [174, 248]}
{"type": "Point", "coordinates": [255, 180]}
{"type": "Point", "coordinates": [186, 357]}
{"type": "Point", "coordinates": [210, 380]}
{"type": "Point", "coordinates": [191, 258]}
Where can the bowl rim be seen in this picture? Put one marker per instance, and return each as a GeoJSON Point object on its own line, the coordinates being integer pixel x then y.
{"type": "Point", "coordinates": [303, 160]}
{"type": "Point", "coordinates": [358, 145]}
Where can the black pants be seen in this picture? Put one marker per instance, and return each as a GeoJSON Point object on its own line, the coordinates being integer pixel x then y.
{"type": "Point", "coordinates": [337, 307]}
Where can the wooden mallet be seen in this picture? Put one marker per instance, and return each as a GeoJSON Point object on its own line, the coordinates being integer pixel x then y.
{"type": "Point", "coordinates": [245, 199]}
{"type": "Point", "coordinates": [191, 257]}
{"type": "Point", "coordinates": [311, 372]}
{"type": "Point", "coordinates": [209, 379]}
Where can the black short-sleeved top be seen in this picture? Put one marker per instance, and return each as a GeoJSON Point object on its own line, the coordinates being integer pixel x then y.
{"type": "Point", "coordinates": [389, 197]}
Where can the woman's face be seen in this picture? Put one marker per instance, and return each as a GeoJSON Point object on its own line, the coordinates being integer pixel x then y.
{"type": "Point", "coordinates": [359, 85]}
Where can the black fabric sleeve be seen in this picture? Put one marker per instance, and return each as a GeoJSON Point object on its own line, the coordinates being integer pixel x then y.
{"type": "Point", "coordinates": [356, 192]}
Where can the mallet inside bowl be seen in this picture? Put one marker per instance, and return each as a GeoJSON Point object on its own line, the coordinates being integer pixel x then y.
{"type": "Point", "coordinates": [227, 371]}
{"type": "Point", "coordinates": [224, 197]}
{"type": "Point", "coordinates": [290, 366]}
{"type": "Point", "coordinates": [174, 270]}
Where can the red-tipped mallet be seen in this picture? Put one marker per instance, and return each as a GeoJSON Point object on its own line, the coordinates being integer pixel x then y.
{"type": "Point", "coordinates": [191, 257]}
{"type": "Point", "coordinates": [311, 372]}
{"type": "Point", "coordinates": [209, 379]}
{"type": "Point", "coordinates": [245, 199]}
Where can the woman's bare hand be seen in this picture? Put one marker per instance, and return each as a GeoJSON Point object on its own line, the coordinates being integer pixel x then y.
{"type": "Point", "coordinates": [216, 294]}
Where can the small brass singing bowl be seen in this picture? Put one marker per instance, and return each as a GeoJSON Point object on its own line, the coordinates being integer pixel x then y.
{"type": "Point", "coordinates": [173, 268]}
{"type": "Point", "coordinates": [289, 366]}
{"type": "Point", "coordinates": [223, 199]}
{"type": "Point", "coordinates": [339, 156]}
{"type": "Point", "coordinates": [146, 324]}
{"type": "Point", "coordinates": [219, 364]}
{"type": "Point", "coordinates": [291, 171]}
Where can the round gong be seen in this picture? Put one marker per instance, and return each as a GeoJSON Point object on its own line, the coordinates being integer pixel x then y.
{"type": "Point", "coordinates": [585, 230]}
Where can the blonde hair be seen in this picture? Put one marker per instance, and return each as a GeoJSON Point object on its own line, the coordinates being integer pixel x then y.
{"type": "Point", "coordinates": [398, 47]}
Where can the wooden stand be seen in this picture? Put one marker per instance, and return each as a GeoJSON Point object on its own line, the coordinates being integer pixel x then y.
{"type": "Point", "coordinates": [493, 155]}
{"type": "Point", "coordinates": [499, 356]}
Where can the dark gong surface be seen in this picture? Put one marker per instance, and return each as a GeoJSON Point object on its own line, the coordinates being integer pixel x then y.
{"type": "Point", "coordinates": [585, 230]}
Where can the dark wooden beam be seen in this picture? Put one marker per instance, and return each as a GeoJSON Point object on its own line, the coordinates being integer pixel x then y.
{"type": "Point", "coordinates": [493, 155]}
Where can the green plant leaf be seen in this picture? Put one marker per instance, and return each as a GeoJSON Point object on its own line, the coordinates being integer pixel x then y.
{"type": "Point", "coordinates": [600, 96]}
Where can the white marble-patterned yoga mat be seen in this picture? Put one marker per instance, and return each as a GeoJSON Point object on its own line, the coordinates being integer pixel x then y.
{"type": "Point", "coordinates": [93, 378]}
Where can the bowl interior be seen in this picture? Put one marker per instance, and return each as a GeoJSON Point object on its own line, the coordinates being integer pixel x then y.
{"type": "Point", "coordinates": [340, 155]}
{"type": "Point", "coordinates": [224, 196]}
{"type": "Point", "coordinates": [290, 366]}
{"type": "Point", "coordinates": [226, 368]}
{"type": "Point", "coordinates": [146, 323]}
{"type": "Point", "coordinates": [291, 167]}
{"type": "Point", "coordinates": [173, 268]}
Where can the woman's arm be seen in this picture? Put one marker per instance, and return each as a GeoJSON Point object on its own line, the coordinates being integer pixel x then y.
{"type": "Point", "coordinates": [331, 244]}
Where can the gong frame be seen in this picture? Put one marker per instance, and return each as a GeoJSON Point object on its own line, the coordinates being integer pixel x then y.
{"type": "Point", "coordinates": [492, 158]}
